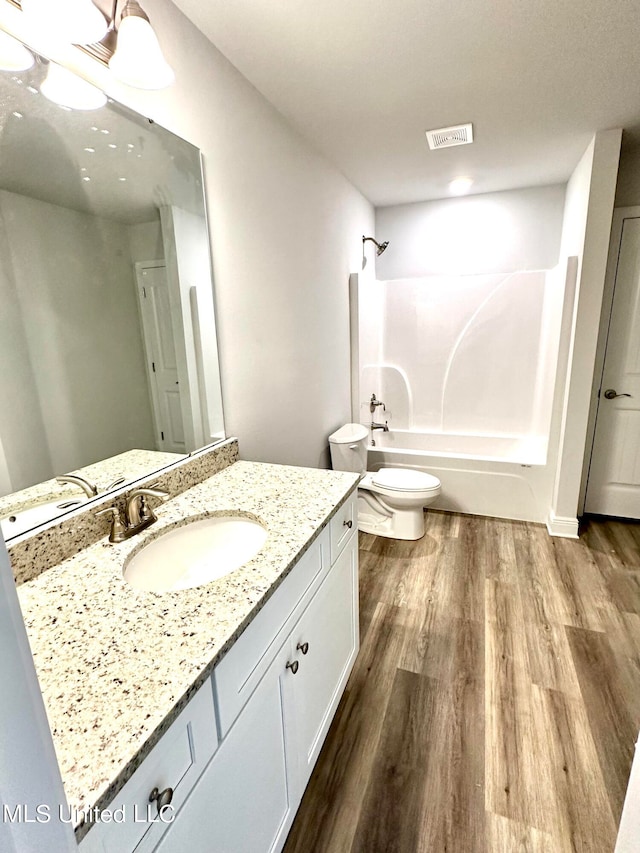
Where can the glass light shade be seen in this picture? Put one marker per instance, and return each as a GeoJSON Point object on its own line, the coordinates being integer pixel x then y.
{"type": "Point", "coordinates": [138, 59]}
{"type": "Point", "coordinates": [71, 21]}
{"type": "Point", "coordinates": [14, 56]}
{"type": "Point", "coordinates": [68, 90]}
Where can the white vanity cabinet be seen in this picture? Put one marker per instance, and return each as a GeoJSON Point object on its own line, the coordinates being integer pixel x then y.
{"type": "Point", "coordinates": [248, 796]}
{"type": "Point", "coordinates": [275, 693]}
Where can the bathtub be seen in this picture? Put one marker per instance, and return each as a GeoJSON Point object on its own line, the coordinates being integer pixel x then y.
{"type": "Point", "coordinates": [493, 475]}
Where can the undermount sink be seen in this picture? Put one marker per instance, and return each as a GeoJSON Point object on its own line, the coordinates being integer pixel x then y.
{"type": "Point", "coordinates": [37, 513]}
{"type": "Point", "coordinates": [195, 553]}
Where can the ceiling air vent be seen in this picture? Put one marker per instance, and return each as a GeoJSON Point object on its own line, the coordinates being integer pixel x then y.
{"type": "Point", "coordinates": [447, 137]}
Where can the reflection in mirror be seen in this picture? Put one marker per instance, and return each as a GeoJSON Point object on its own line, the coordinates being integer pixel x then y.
{"type": "Point", "coordinates": [107, 331]}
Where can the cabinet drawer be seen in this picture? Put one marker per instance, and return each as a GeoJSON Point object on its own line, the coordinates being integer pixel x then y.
{"type": "Point", "coordinates": [343, 524]}
{"type": "Point", "coordinates": [175, 762]}
{"type": "Point", "coordinates": [238, 673]}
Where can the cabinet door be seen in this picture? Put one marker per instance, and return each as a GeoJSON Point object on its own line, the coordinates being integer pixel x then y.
{"type": "Point", "coordinates": [242, 802]}
{"type": "Point", "coordinates": [329, 626]}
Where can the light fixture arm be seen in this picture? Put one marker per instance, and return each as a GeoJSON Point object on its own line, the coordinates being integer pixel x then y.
{"type": "Point", "coordinates": [133, 9]}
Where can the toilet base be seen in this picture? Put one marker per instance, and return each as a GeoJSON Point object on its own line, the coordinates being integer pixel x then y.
{"type": "Point", "coordinates": [375, 518]}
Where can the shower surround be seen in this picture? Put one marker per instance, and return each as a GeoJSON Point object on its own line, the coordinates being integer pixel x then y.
{"type": "Point", "coordinates": [466, 366]}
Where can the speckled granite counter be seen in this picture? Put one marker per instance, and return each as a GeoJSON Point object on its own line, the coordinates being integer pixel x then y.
{"type": "Point", "coordinates": [116, 664]}
{"type": "Point", "coordinates": [132, 465]}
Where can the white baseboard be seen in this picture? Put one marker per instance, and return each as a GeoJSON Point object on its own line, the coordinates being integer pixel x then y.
{"type": "Point", "coordinates": [558, 525]}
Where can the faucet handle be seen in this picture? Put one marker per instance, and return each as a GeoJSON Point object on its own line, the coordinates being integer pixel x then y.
{"type": "Point", "coordinates": [117, 482]}
{"type": "Point", "coordinates": [118, 530]}
{"type": "Point", "coordinates": [137, 509]}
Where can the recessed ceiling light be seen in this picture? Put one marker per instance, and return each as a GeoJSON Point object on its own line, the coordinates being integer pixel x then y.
{"type": "Point", "coordinates": [122, 179]}
{"type": "Point", "coordinates": [106, 132]}
{"type": "Point", "coordinates": [112, 145]}
{"type": "Point", "coordinates": [90, 150]}
{"type": "Point", "coordinates": [86, 178]}
{"type": "Point", "coordinates": [460, 186]}
{"type": "Point", "coordinates": [18, 115]}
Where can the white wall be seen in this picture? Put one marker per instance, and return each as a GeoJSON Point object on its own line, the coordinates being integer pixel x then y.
{"type": "Point", "coordinates": [491, 233]}
{"type": "Point", "coordinates": [286, 231]}
{"type": "Point", "coordinates": [145, 241]}
{"type": "Point", "coordinates": [75, 289]}
{"type": "Point", "coordinates": [585, 234]}
{"type": "Point", "coordinates": [25, 451]}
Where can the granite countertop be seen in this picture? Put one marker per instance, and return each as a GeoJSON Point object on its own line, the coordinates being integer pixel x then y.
{"type": "Point", "coordinates": [116, 664]}
{"type": "Point", "coordinates": [132, 464]}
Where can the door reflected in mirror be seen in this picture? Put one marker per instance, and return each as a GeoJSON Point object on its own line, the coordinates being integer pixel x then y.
{"type": "Point", "coordinates": [107, 330]}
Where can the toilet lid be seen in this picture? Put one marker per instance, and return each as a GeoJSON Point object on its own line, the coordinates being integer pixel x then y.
{"type": "Point", "coordinates": [404, 480]}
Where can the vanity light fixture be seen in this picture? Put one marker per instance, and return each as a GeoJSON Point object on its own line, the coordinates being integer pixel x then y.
{"type": "Point", "coordinates": [65, 88]}
{"type": "Point", "coordinates": [138, 59]}
{"type": "Point", "coordinates": [122, 38]}
{"type": "Point", "coordinates": [14, 56]}
{"type": "Point", "coordinates": [71, 21]}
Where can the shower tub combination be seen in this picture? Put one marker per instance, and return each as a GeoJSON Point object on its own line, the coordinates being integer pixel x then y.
{"type": "Point", "coordinates": [466, 366]}
{"type": "Point", "coordinates": [492, 475]}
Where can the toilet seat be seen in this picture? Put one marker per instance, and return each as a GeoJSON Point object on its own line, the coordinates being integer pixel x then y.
{"type": "Point", "coordinates": [405, 480]}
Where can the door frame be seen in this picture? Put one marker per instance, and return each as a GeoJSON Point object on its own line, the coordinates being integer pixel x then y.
{"type": "Point", "coordinates": [615, 242]}
{"type": "Point", "coordinates": [139, 267]}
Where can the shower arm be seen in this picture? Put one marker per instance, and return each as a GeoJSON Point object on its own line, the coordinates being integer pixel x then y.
{"type": "Point", "coordinates": [380, 247]}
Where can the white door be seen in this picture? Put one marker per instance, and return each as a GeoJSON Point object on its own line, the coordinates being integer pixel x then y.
{"type": "Point", "coordinates": [160, 356]}
{"type": "Point", "coordinates": [614, 476]}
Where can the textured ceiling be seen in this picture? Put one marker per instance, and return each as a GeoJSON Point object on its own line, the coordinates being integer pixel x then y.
{"type": "Point", "coordinates": [363, 80]}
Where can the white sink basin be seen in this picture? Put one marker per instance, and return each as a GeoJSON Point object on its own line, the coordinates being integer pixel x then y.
{"type": "Point", "coordinates": [17, 523]}
{"type": "Point", "coordinates": [195, 553]}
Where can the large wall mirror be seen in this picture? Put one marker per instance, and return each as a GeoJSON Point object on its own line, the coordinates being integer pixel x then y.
{"type": "Point", "coordinates": [108, 353]}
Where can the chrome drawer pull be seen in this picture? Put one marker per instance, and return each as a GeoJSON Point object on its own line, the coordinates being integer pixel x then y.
{"type": "Point", "coordinates": [293, 666]}
{"type": "Point", "coordinates": [303, 647]}
{"type": "Point", "coordinates": [348, 524]}
{"type": "Point", "coordinates": [163, 798]}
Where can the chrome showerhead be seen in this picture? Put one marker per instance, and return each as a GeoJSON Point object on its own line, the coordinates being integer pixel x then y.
{"type": "Point", "coordinates": [380, 247]}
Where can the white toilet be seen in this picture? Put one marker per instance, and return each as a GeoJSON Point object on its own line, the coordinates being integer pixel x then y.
{"type": "Point", "coordinates": [391, 500]}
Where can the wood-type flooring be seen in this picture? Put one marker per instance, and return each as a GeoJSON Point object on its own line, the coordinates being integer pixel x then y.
{"type": "Point", "coordinates": [495, 702]}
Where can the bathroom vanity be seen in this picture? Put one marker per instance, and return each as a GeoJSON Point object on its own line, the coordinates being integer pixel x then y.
{"type": "Point", "coordinates": [213, 700]}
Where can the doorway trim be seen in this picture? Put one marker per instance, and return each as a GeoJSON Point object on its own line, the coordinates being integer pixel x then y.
{"type": "Point", "coordinates": [615, 242]}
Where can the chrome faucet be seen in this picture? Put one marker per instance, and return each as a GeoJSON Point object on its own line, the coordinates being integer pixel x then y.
{"type": "Point", "coordinates": [138, 515]}
{"type": "Point", "coordinates": [90, 489]}
{"type": "Point", "coordinates": [384, 426]}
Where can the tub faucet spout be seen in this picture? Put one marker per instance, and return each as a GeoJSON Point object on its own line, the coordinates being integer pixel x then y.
{"type": "Point", "coordinates": [384, 426]}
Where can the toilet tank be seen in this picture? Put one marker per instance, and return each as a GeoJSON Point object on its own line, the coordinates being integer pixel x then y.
{"type": "Point", "coordinates": [348, 447]}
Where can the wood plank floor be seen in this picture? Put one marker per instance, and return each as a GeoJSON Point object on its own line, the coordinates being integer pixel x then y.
{"type": "Point", "coordinates": [495, 702]}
